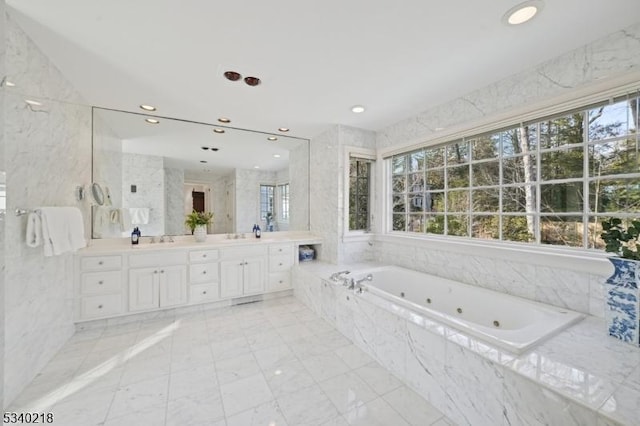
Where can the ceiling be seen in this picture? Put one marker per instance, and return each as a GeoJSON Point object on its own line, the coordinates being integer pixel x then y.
{"type": "Point", "coordinates": [316, 59]}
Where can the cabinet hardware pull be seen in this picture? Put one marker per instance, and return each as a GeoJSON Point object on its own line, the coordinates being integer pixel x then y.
{"type": "Point", "coordinates": [280, 264]}
{"type": "Point", "coordinates": [280, 282]}
{"type": "Point", "coordinates": [100, 262]}
{"type": "Point", "coordinates": [204, 292]}
{"type": "Point", "coordinates": [204, 272]}
{"type": "Point", "coordinates": [204, 255]}
{"type": "Point", "coordinates": [155, 272]}
{"type": "Point", "coordinates": [100, 282]}
{"type": "Point", "coordinates": [162, 271]}
{"type": "Point", "coordinates": [99, 306]}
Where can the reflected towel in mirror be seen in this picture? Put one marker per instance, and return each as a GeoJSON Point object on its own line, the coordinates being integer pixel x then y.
{"type": "Point", "coordinates": [139, 215]}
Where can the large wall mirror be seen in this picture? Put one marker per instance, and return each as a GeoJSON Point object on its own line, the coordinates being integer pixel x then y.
{"type": "Point", "coordinates": [154, 171]}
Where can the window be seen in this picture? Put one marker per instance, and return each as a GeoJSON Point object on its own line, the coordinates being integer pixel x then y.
{"type": "Point", "coordinates": [550, 182]}
{"type": "Point", "coordinates": [266, 200]}
{"type": "Point", "coordinates": [283, 191]}
{"type": "Point", "coordinates": [359, 193]}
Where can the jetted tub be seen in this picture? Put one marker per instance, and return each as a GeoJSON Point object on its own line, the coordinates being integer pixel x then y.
{"type": "Point", "coordinates": [500, 319]}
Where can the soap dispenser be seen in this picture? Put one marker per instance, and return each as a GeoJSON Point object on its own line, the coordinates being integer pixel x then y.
{"type": "Point", "coordinates": [135, 237]}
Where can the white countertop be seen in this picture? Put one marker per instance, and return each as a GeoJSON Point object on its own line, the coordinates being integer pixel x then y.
{"type": "Point", "coordinates": [123, 245]}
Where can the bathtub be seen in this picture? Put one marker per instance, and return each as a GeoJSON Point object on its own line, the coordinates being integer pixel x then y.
{"type": "Point", "coordinates": [509, 322]}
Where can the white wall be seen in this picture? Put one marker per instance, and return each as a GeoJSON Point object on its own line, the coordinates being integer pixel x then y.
{"type": "Point", "coordinates": [299, 188]}
{"type": "Point", "coordinates": [564, 281]}
{"type": "Point", "coordinates": [174, 201]}
{"type": "Point", "coordinates": [47, 153]}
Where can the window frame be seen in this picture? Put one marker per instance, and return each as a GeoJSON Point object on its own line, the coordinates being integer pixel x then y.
{"type": "Point", "coordinates": [365, 154]}
{"type": "Point", "coordinates": [263, 217]}
{"type": "Point", "coordinates": [280, 202]}
{"type": "Point", "coordinates": [488, 128]}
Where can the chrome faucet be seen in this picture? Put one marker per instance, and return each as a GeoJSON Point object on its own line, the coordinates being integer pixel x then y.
{"type": "Point", "coordinates": [336, 276]}
{"type": "Point", "coordinates": [356, 285]}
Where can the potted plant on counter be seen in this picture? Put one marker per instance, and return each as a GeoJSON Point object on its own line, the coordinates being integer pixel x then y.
{"type": "Point", "coordinates": [622, 311]}
{"type": "Point", "coordinates": [197, 222]}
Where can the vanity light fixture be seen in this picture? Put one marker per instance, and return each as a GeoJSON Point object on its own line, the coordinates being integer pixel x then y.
{"type": "Point", "coordinates": [276, 155]}
{"type": "Point", "coordinates": [272, 138]}
{"type": "Point", "coordinates": [357, 109]}
{"type": "Point", "coordinates": [283, 129]}
{"type": "Point", "coordinates": [218, 130]}
{"type": "Point", "coordinates": [151, 120]}
{"type": "Point", "coordinates": [147, 107]}
{"type": "Point", "coordinates": [224, 120]}
{"type": "Point", "coordinates": [33, 103]}
{"type": "Point", "coordinates": [522, 12]}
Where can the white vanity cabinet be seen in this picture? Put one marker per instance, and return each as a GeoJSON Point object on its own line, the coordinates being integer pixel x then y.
{"type": "Point", "coordinates": [154, 287]}
{"type": "Point", "coordinates": [204, 276]}
{"type": "Point", "coordinates": [243, 271]}
{"type": "Point", "coordinates": [100, 286]}
{"type": "Point", "coordinates": [281, 259]}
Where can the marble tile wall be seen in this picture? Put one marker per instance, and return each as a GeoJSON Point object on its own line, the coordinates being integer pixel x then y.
{"type": "Point", "coordinates": [2, 174]}
{"type": "Point", "coordinates": [147, 173]}
{"type": "Point", "coordinates": [40, 142]}
{"type": "Point", "coordinates": [248, 197]}
{"type": "Point", "coordinates": [299, 188]}
{"type": "Point", "coordinates": [174, 201]}
{"type": "Point", "coordinates": [566, 287]}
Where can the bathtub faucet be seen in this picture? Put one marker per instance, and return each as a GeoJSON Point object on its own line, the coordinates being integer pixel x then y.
{"type": "Point", "coordinates": [336, 276]}
{"type": "Point", "coordinates": [357, 284]}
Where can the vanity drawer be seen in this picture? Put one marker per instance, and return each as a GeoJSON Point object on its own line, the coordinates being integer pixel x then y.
{"type": "Point", "coordinates": [279, 281]}
{"type": "Point", "coordinates": [101, 306]}
{"type": "Point", "coordinates": [280, 263]}
{"type": "Point", "coordinates": [203, 255]}
{"type": "Point", "coordinates": [150, 260]}
{"type": "Point", "coordinates": [203, 293]}
{"type": "Point", "coordinates": [203, 272]}
{"type": "Point", "coordinates": [275, 249]}
{"type": "Point", "coordinates": [101, 282]}
{"type": "Point", "coordinates": [244, 252]}
{"type": "Point", "coordinates": [96, 263]}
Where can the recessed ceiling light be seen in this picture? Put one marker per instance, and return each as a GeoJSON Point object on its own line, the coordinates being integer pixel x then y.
{"type": "Point", "coordinates": [522, 12]}
{"type": "Point", "coordinates": [218, 130]}
{"type": "Point", "coordinates": [151, 120]}
{"type": "Point", "coordinates": [357, 109]}
{"type": "Point", "coordinates": [272, 138]}
{"type": "Point", "coordinates": [256, 167]}
{"type": "Point", "coordinates": [276, 155]}
{"type": "Point", "coordinates": [33, 103]}
{"type": "Point", "coordinates": [283, 129]}
{"type": "Point", "coordinates": [147, 107]}
{"type": "Point", "coordinates": [215, 149]}
{"type": "Point", "coordinates": [232, 75]}
{"type": "Point", "coordinates": [203, 161]}
{"type": "Point", "coordinates": [9, 83]}
{"type": "Point", "coordinates": [224, 120]}
{"type": "Point", "coordinates": [437, 129]}
{"type": "Point", "coordinates": [204, 147]}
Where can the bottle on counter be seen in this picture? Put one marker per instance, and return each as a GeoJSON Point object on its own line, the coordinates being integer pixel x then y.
{"type": "Point", "coordinates": [135, 236]}
{"type": "Point", "coordinates": [258, 232]}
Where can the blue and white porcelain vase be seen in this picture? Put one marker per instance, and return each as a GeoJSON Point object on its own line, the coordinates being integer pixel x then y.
{"type": "Point", "coordinates": [622, 310]}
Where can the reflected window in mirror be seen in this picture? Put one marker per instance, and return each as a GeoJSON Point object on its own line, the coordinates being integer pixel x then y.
{"type": "Point", "coordinates": [359, 194]}
{"type": "Point", "coordinates": [283, 197]}
{"type": "Point", "coordinates": [267, 201]}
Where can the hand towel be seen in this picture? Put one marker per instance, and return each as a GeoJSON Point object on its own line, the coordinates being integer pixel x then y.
{"type": "Point", "coordinates": [139, 215]}
{"type": "Point", "coordinates": [125, 220]}
{"type": "Point", "coordinates": [34, 230]}
{"type": "Point", "coordinates": [62, 230]}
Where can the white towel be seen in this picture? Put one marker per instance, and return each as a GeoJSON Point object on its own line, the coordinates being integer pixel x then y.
{"type": "Point", "coordinates": [34, 230]}
{"type": "Point", "coordinates": [125, 220]}
{"type": "Point", "coordinates": [62, 230]}
{"type": "Point", "coordinates": [139, 215]}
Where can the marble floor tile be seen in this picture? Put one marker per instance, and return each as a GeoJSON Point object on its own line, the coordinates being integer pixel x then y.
{"type": "Point", "coordinates": [245, 393]}
{"type": "Point", "coordinates": [412, 407]}
{"type": "Point", "coordinates": [273, 363]}
{"type": "Point", "coordinates": [308, 406]}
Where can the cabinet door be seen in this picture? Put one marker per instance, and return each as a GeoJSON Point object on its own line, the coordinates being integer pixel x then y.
{"type": "Point", "coordinates": [231, 278]}
{"type": "Point", "coordinates": [254, 275]}
{"type": "Point", "coordinates": [143, 289]}
{"type": "Point", "coordinates": [173, 285]}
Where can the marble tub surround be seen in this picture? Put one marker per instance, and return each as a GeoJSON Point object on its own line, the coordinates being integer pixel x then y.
{"type": "Point", "coordinates": [581, 376]}
{"type": "Point", "coordinates": [274, 362]}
